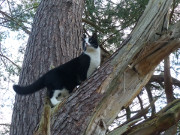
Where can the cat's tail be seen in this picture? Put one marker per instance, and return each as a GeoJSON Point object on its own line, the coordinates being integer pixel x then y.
{"type": "Point", "coordinates": [24, 90]}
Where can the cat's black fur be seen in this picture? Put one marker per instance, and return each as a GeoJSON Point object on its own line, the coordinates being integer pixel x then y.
{"type": "Point", "coordinates": [66, 77]}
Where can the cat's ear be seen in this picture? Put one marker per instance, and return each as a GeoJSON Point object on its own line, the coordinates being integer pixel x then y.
{"type": "Point", "coordinates": [94, 36]}
{"type": "Point", "coordinates": [84, 36]}
{"type": "Point", "coordinates": [83, 42]}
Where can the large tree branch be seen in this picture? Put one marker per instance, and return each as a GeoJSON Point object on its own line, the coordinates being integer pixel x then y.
{"type": "Point", "coordinates": [115, 84]}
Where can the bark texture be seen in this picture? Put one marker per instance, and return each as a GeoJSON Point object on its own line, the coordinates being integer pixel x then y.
{"type": "Point", "coordinates": [55, 39]}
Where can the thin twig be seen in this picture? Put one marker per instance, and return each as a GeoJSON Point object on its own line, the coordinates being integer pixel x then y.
{"type": "Point", "coordinates": [10, 61]}
{"type": "Point", "coordinates": [5, 124]}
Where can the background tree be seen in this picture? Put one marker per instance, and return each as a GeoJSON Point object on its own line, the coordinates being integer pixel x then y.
{"type": "Point", "coordinates": [55, 38]}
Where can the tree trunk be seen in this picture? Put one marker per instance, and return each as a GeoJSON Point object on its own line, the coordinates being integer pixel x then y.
{"type": "Point", "coordinates": [54, 40]}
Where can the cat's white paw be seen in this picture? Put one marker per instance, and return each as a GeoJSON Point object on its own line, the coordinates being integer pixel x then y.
{"type": "Point", "coordinates": [54, 101]}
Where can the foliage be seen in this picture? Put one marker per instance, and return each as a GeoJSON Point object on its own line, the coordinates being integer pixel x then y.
{"type": "Point", "coordinates": [113, 20]}
{"type": "Point", "coordinates": [16, 16]}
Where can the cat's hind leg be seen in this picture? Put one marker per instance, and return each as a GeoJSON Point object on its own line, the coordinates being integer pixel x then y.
{"type": "Point", "coordinates": [58, 96]}
{"type": "Point", "coordinates": [53, 99]}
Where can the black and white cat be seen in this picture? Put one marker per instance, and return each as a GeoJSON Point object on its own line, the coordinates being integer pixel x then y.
{"type": "Point", "coordinates": [61, 80]}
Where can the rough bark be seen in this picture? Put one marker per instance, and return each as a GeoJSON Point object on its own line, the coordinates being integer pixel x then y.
{"type": "Point", "coordinates": [55, 39]}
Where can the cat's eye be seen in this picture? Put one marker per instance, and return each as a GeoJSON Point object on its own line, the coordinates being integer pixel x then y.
{"type": "Point", "coordinates": [90, 40]}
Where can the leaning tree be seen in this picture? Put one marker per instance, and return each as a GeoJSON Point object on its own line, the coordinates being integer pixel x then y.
{"type": "Point", "coordinates": [56, 38]}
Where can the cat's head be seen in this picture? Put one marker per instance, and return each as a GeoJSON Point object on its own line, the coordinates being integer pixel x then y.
{"type": "Point", "coordinates": [90, 42]}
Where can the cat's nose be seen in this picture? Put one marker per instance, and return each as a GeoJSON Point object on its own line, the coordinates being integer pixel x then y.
{"type": "Point", "coordinates": [87, 44]}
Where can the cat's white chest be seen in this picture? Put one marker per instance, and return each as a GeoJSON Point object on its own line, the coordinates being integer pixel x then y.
{"type": "Point", "coordinates": [95, 61]}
